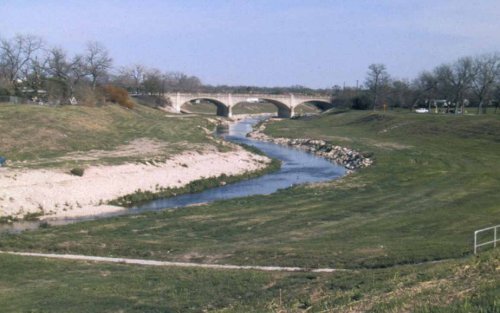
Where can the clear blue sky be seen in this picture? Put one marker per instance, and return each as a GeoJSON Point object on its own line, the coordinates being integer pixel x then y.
{"type": "Point", "coordinates": [266, 42]}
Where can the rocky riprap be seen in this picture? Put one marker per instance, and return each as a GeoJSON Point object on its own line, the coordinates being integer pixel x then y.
{"type": "Point", "coordinates": [348, 158]}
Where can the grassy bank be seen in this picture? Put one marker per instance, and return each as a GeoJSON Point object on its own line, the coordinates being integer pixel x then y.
{"type": "Point", "coordinates": [71, 135]}
{"type": "Point", "coordinates": [36, 285]}
{"type": "Point", "coordinates": [435, 180]}
{"type": "Point", "coordinates": [433, 183]}
{"type": "Point", "coordinates": [194, 186]}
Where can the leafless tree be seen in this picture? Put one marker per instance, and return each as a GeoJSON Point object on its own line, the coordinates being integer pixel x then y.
{"type": "Point", "coordinates": [377, 81]}
{"type": "Point", "coordinates": [486, 74]}
{"type": "Point", "coordinates": [34, 73]}
{"type": "Point", "coordinates": [58, 65]}
{"type": "Point", "coordinates": [65, 71]}
{"type": "Point", "coordinates": [400, 93]}
{"type": "Point", "coordinates": [97, 62]}
{"type": "Point", "coordinates": [133, 76]}
{"type": "Point", "coordinates": [16, 55]}
{"type": "Point", "coordinates": [426, 88]}
{"type": "Point", "coordinates": [153, 82]}
{"type": "Point", "coordinates": [456, 79]}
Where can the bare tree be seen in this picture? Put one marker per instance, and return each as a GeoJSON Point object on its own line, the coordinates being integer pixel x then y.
{"type": "Point", "coordinates": [456, 80]}
{"type": "Point", "coordinates": [486, 74]}
{"type": "Point", "coordinates": [377, 81]}
{"type": "Point", "coordinates": [426, 89]}
{"type": "Point", "coordinates": [400, 93]}
{"type": "Point", "coordinates": [153, 82]}
{"type": "Point", "coordinates": [16, 55]}
{"type": "Point", "coordinates": [133, 76]}
{"type": "Point", "coordinates": [34, 73]}
{"type": "Point", "coordinates": [65, 72]}
{"type": "Point", "coordinates": [58, 65]}
{"type": "Point", "coordinates": [97, 62]}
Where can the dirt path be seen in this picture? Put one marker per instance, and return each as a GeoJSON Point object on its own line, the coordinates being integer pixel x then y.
{"type": "Point", "coordinates": [174, 264]}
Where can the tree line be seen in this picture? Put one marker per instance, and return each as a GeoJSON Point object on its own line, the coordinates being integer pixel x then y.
{"type": "Point", "coordinates": [32, 69]}
{"type": "Point", "coordinates": [29, 68]}
{"type": "Point", "coordinates": [450, 87]}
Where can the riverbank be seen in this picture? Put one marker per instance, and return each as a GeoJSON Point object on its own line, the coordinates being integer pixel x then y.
{"type": "Point", "coordinates": [52, 193]}
{"type": "Point", "coordinates": [348, 158]}
{"type": "Point", "coordinates": [434, 183]}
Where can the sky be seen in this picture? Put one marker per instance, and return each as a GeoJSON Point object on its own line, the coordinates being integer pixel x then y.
{"type": "Point", "coordinates": [315, 43]}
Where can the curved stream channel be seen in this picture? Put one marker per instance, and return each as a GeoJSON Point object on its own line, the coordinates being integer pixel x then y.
{"type": "Point", "coordinates": [298, 167]}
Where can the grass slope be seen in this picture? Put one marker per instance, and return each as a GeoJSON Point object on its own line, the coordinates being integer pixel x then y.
{"type": "Point", "coordinates": [48, 285]}
{"type": "Point", "coordinates": [435, 180]}
{"type": "Point", "coordinates": [32, 133]}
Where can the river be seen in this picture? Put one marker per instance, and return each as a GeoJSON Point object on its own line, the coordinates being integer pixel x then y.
{"type": "Point", "coordinates": [298, 167]}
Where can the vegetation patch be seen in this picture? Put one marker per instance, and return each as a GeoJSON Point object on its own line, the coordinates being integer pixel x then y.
{"type": "Point", "coordinates": [77, 171]}
{"type": "Point", "coordinates": [195, 186]}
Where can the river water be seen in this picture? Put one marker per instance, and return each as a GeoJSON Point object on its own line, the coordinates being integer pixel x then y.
{"type": "Point", "coordinates": [298, 167]}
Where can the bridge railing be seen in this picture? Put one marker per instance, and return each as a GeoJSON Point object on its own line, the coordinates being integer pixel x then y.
{"type": "Point", "coordinates": [493, 242]}
{"type": "Point", "coordinates": [250, 95]}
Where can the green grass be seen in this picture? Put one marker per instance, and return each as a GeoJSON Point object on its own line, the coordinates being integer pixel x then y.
{"type": "Point", "coordinates": [433, 183]}
{"type": "Point", "coordinates": [39, 135]}
{"type": "Point", "coordinates": [254, 108]}
{"type": "Point", "coordinates": [29, 284]}
{"type": "Point", "coordinates": [435, 180]}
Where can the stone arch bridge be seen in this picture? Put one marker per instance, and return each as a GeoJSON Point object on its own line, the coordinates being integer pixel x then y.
{"type": "Point", "coordinates": [286, 104]}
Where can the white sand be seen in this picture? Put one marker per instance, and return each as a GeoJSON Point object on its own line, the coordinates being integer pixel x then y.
{"type": "Point", "coordinates": [60, 194]}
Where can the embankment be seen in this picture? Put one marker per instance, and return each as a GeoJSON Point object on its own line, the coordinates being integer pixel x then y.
{"type": "Point", "coordinates": [348, 158]}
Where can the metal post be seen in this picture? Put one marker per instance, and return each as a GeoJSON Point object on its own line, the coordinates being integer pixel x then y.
{"type": "Point", "coordinates": [475, 242]}
{"type": "Point", "coordinates": [495, 237]}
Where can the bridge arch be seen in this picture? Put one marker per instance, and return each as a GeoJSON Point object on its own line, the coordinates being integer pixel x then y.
{"type": "Point", "coordinates": [222, 108]}
{"type": "Point", "coordinates": [283, 110]}
{"type": "Point", "coordinates": [320, 104]}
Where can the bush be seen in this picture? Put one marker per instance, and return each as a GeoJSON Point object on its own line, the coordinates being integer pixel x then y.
{"type": "Point", "coordinates": [362, 102]}
{"type": "Point", "coordinates": [86, 96]}
{"type": "Point", "coordinates": [117, 95]}
{"type": "Point", "coordinates": [77, 171]}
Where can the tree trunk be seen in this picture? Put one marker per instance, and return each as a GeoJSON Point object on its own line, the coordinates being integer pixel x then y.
{"type": "Point", "coordinates": [480, 107]}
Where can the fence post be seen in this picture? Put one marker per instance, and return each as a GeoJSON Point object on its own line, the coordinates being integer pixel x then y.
{"type": "Point", "coordinates": [495, 237]}
{"type": "Point", "coordinates": [475, 242]}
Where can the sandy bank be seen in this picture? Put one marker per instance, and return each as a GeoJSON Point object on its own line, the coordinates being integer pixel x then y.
{"type": "Point", "coordinates": [59, 194]}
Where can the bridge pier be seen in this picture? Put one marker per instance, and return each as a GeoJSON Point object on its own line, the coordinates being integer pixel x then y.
{"type": "Point", "coordinates": [225, 111]}
{"type": "Point", "coordinates": [285, 112]}
{"type": "Point", "coordinates": [176, 102]}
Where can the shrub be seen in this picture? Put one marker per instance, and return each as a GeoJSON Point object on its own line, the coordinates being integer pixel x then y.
{"type": "Point", "coordinates": [361, 102]}
{"type": "Point", "coordinates": [86, 96]}
{"type": "Point", "coordinates": [77, 171]}
{"type": "Point", "coordinates": [117, 95]}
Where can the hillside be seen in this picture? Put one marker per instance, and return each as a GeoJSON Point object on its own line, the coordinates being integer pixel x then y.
{"type": "Point", "coordinates": [46, 136]}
